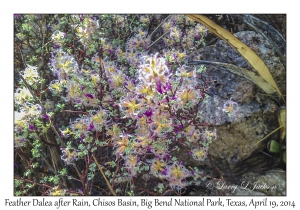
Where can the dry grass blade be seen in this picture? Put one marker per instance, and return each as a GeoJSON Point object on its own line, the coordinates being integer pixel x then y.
{"type": "Point", "coordinates": [269, 135]}
{"type": "Point", "coordinates": [243, 49]}
{"type": "Point", "coordinates": [273, 44]}
{"type": "Point", "coordinates": [282, 122]}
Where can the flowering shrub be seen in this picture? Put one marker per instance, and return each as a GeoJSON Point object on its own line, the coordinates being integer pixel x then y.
{"type": "Point", "coordinates": [105, 98]}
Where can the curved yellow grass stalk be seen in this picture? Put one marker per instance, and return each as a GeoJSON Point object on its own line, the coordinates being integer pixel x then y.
{"type": "Point", "coordinates": [243, 49]}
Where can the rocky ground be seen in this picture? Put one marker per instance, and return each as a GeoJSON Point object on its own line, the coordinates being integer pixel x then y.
{"type": "Point", "coordinates": [235, 157]}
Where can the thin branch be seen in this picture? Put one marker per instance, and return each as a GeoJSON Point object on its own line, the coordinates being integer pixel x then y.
{"type": "Point", "coordinates": [159, 26]}
{"type": "Point", "coordinates": [158, 39]}
{"type": "Point", "coordinates": [107, 182]}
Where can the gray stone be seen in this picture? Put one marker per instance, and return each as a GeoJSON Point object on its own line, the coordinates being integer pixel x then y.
{"type": "Point", "coordinates": [272, 182]}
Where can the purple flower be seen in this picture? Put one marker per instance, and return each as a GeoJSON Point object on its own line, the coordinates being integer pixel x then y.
{"type": "Point", "coordinates": [190, 153]}
{"type": "Point", "coordinates": [168, 86]}
{"type": "Point", "coordinates": [177, 128]}
{"type": "Point", "coordinates": [16, 16]}
{"type": "Point", "coordinates": [81, 17]}
{"type": "Point", "coordinates": [81, 138]}
{"type": "Point", "coordinates": [31, 127]}
{"type": "Point", "coordinates": [89, 95]}
{"type": "Point", "coordinates": [110, 51]}
{"type": "Point", "coordinates": [149, 149]}
{"type": "Point", "coordinates": [165, 171]}
{"type": "Point", "coordinates": [46, 116]}
{"type": "Point", "coordinates": [192, 172]}
{"type": "Point", "coordinates": [138, 159]}
{"type": "Point", "coordinates": [148, 113]}
{"type": "Point", "coordinates": [167, 99]}
{"type": "Point", "coordinates": [174, 98]}
{"type": "Point", "coordinates": [181, 163]}
{"type": "Point", "coordinates": [167, 156]}
{"type": "Point", "coordinates": [91, 127]}
{"type": "Point", "coordinates": [158, 86]}
{"type": "Point", "coordinates": [16, 165]}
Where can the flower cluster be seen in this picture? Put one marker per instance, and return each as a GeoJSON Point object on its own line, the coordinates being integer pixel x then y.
{"type": "Point", "coordinates": [153, 103]}
{"type": "Point", "coordinates": [176, 175]}
{"type": "Point", "coordinates": [30, 74]}
{"type": "Point", "coordinates": [136, 47]}
{"type": "Point", "coordinates": [69, 155]}
{"type": "Point", "coordinates": [58, 36]}
{"type": "Point", "coordinates": [182, 31]}
{"type": "Point", "coordinates": [22, 95]}
{"type": "Point", "coordinates": [62, 64]}
{"type": "Point", "coordinates": [29, 110]}
{"type": "Point", "coordinates": [88, 25]}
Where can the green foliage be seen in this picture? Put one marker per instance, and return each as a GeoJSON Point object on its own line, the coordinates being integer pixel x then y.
{"type": "Point", "coordinates": [63, 172]}
{"type": "Point", "coordinates": [201, 69]}
{"type": "Point", "coordinates": [35, 151]}
{"type": "Point", "coordinates": [159, 188]}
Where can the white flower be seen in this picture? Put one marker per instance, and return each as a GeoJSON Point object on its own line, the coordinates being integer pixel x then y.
{"type": "Point", "coordinates": [32, 110]}
{"type": "Point", "coordinates": [19, 118]}
{"type": "Point", "coordinates": [57, 36]}
{"type": "Point", "coordinates": [30, 74]}
{"type": "Point", "coordinates": [21, 95]}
